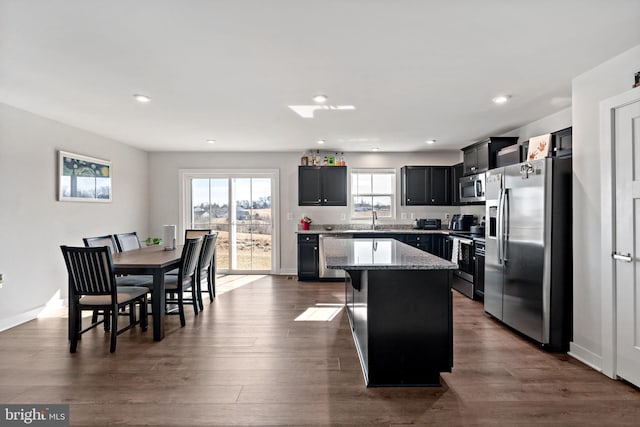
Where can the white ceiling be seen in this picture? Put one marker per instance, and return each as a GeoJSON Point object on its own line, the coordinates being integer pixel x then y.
{"type": "Point", "coordinates": [226, 70]}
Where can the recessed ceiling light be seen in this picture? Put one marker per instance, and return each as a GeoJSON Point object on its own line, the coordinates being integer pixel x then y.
{"type": "Point", "coordinates": [320, 99]}
{"type": "Point", "coordinates": [211, 141]}
{"type": "Point", "coordinates": [141, 98]}
{"type": "Point", "coordinates": [501, 99]}
{"type": "Point", "coordinates": [375, 149]}
{"type": "Point", "coordinates": [321, 141]}
{"type": "Point", "coordinates": [430, 141]}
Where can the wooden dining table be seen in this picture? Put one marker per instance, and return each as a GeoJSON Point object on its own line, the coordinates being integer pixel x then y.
{"type": "Point", "coordinates": [154, 261]}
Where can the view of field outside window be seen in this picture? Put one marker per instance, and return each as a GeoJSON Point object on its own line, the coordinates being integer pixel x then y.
{"type": "Point", "coordinates": [239, 210]}
{"type": "Point", "coordinates": [372, 191]}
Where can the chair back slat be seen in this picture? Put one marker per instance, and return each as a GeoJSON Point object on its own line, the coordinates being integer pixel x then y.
{"type": "Point", "coordinates": [90, 270]}
{"type": "Point", "coordinates": [207, 251]}
{"type": "Point", "coordinates": [190, 256]}
{"type": "Point", "coordinates": [128, 241]}
{"type": "Point", "coordinates": [94, 242]}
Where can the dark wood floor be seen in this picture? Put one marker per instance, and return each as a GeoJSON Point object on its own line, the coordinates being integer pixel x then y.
{"type": "Point", "coordinates": [244, 361]}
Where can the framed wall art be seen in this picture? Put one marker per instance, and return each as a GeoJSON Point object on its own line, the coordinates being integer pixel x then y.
{"type": "Point", "coordinates": [83, 179]}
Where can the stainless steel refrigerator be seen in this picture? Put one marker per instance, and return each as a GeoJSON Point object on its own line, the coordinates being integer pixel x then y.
{"type": "Point", "coordinates": [528, 268]}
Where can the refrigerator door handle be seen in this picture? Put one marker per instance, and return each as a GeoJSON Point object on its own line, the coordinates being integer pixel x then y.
{"type": "Point", "coordinates": [499, 220]}
{"type": "Point", "coordinates": [505, 231]}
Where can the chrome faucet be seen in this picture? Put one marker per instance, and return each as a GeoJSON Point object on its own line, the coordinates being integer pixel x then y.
{"type": "Point", "coordinates": [374, 218]}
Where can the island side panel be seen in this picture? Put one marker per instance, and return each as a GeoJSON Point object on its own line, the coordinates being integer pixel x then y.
{"type": "Point", "coordinates": [409, 326]}
{"type": "Point", "coordinates": [357, 296]}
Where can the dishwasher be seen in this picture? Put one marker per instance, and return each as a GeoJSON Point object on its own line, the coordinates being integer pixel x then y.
{"type": "Point", "coordinates": [324, 272]}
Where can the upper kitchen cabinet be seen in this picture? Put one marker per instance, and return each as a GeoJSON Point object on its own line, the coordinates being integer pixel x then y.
{"type": "Point", "coordinates": [481, 156]}
{"type": "Point", "coordinates": [426, 185]}
{"type": "Point", "coordinates": [562, 142]}
{"type": "Point", "coordinates": [322, 185]}
{"type": "Point", "coordinates": [457, 172]}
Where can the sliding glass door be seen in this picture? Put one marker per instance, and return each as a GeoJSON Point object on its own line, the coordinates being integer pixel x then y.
{"type": "Point", "coordinates": [239, 207]}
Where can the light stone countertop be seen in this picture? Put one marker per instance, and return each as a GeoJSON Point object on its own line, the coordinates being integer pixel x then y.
{"type": "Point", "coordinates": [380, 254]}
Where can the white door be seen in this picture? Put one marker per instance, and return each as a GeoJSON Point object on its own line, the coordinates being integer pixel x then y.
{"type": "Point", "coordinates": [627, 240]}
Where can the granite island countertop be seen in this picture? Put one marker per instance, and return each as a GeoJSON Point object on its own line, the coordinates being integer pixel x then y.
{"type": "Point", "coordinates": [386, 230]}
{"type": "Point", "coordinates": [380, 254]}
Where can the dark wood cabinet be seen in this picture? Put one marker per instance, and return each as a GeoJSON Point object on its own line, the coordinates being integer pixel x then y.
{"type": "Point", "coordinates": [434, 243]}
{"type": "Point", "coordinates": [308, 257]}
{"type": "Point", "coordinates": [322, 185]}
{"type": "Point", "coordinates": [457, 171]}
{"type": "Point", "coordinates": [524, 149]}
{"type": "Point", "coordinates": [426, 185]}
{"type": "Point", "coordinates": [441, 246]}
{"type": "Point", "coordinates": [481, 156]}
{"type": "Point", "coordinates": [421, 241]}
{"type": "Point", "coordinates": [561, 142]}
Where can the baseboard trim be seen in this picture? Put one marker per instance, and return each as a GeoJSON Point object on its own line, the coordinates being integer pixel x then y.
{"type": "Point", "coordinates": [288, 272]}
{"type": "Point", "coordinates": [587, 357]}
{"type": "Point", "coordinates": [19, 319]}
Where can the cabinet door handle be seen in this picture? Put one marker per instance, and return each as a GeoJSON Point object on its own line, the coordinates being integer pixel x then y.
{"type": "Point", "coordinates": [325, 200]}
{"type": "Point", "coordinates": [315, 248]}
{"type": "Point", "coordinates": [408, 199]}
{"type": "Point", "coordinates": [319, 200]}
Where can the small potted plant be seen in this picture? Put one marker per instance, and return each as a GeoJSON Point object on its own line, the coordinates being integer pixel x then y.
{"type": "Point", "coordinates": [151, 241]}
{"type": "Point", "coordinates": [305, 222]}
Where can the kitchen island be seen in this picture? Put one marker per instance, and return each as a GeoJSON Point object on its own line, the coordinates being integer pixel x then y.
{"type": "Point", "coordinates": [398, 300]}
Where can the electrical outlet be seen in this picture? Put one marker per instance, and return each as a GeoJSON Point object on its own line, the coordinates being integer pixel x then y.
{"type": "Point", "coordinates": [412, 215]}
{"type": "Point", "coordinates": [403, 215]}
{"type": "Point", "coordinates": [343, 217]}
{"type": "Point", "coordinates": [289, 216]}
{"type": "Point", "coordinates": [446, 217]}
{"type": "Point", "coordinates": [1, 280]}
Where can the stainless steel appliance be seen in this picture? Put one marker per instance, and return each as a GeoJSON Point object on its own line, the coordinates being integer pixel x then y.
{"type": "Point", "coordinates": [461, 222]}
{"type": "Point", "coordinates": [323, 271]}
{"type": "Point", "coordinates": [471, 188]}
{"type": "Point", "coordinates": [427, 224]}
{"type": "Point", "coordinates": [462, 254]}
{"type": "Point", "coordinates": [528, 278]}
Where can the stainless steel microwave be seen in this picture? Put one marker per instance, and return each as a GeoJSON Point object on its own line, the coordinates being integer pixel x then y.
{"type": "Point", "coordinates": [472, 188]}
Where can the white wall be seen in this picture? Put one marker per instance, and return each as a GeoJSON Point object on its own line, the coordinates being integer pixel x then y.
{"type": "Point", "coordinates": [548, 124]}
{"type": "Point", "coordinates": [164, 203]}
{"type": "Point", "coordinates": [589, 89]}
{"type": "Point", "coordinates": [33, 224]}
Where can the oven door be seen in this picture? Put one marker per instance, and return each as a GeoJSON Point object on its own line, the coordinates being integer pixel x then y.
{"type": "Point", "coordinates": [463, 255]}
{"type": "Point", "coordinates": [472, 188]}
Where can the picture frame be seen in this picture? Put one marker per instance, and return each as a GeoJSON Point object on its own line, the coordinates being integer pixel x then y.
{"type": "Point", "coordinates": [83, 179]}
{"type": "Point", "coordinates": [539, 147]}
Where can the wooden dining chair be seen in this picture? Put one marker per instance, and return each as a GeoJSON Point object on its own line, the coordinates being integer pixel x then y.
{"type": "Point", "coordinates": [185, 280]}
{"type": "Point", "coordinates": [92, 286]}
{"type": "Point", "coordinates": [128, 241]}
{"type": "Point", "coordinates": [206, 270]}
{"type": "Point", "coordinates": [189, 234]}
{"type": "Point", "coordinates": [195, 232]}
{"type": "Point", "coordinates": [110, 242]}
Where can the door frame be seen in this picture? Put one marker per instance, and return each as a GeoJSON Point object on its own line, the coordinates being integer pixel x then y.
{"type": "Point", "coordinates": [184, 177]}
{"type": "Point", "coordinates": [607, 230]}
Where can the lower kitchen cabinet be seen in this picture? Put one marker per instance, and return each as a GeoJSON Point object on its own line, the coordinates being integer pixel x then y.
{"type": "Point", "coordinates": [420, 241]}
{"type": "Point", "coordinates": [434, 243]}
{"type": "Point", "coordinates": [308, 257]}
